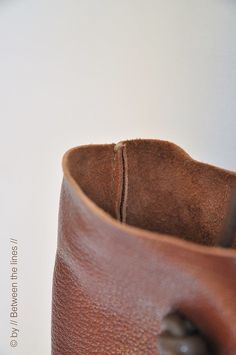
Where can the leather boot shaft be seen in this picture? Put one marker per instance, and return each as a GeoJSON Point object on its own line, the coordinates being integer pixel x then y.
{"type": "Point", "coordinates": [137, 233]}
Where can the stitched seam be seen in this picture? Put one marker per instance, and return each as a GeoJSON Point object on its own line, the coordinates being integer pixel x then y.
{"type": "Point", "coordinates": [121, 205]}
{"type": "Point", "coordinates": [113, 175]}
{"type": "Point", "coordinates": [123, 199]}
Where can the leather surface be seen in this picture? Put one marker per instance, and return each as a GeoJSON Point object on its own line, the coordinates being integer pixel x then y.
{"type": "Point", "coordinates": [137, 226]}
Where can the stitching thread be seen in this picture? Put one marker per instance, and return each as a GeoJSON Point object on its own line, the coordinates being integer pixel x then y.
{"type": "Point", "coordinates": [123, 200]}
{"type": "Point", "coordinates": [120, 149]}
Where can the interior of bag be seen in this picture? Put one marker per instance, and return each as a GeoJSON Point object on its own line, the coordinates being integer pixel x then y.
{"type": "Point", "coordinates": [166, 191]}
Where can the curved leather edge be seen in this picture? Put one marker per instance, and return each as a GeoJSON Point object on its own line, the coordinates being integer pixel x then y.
{"type": "Point", "coordinates": [136, 231]}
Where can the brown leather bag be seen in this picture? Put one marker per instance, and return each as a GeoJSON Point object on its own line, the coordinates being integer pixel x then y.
{"type": "Point", "coordinates": [138, 267]}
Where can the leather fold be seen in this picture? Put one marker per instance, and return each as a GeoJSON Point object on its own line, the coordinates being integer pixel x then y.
{"type": "Point", "coordinates": [137, 227]}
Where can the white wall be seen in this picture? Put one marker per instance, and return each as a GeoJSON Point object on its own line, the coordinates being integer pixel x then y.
{"type": "Point", "coordinates": [78, 72]}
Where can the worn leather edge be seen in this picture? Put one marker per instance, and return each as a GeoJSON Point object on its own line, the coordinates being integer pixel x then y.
{"type": "Point", "coordinates": [132, 230]}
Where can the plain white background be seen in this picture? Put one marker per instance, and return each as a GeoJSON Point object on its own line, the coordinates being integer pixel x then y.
{"type": "Point", "coordinates": [80, 72]}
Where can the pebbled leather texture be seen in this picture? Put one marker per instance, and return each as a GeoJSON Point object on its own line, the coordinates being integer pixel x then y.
{"type": "Point", "coordinates": [137, 227]}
